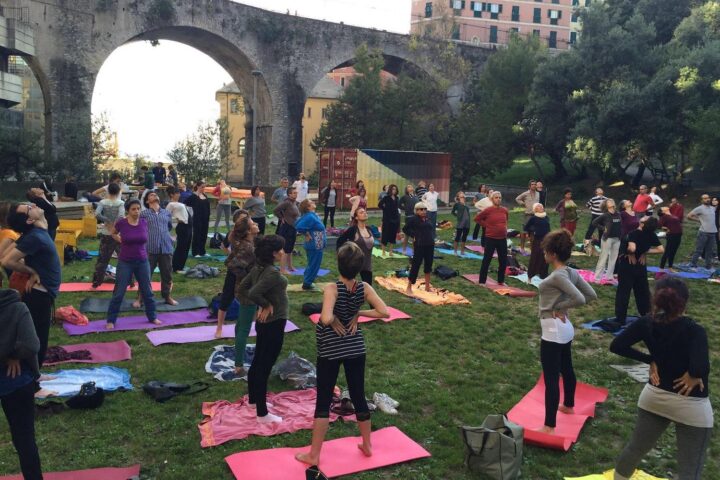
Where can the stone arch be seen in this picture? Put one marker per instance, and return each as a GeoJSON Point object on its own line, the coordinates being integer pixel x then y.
{"type": "Point", "coordinates": [44, 83]}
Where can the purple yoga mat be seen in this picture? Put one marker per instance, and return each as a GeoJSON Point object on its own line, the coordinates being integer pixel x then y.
{"type": "Point", "coordinates": [201, 334]}
{"type": "Point", "coordinates": [140, 322]}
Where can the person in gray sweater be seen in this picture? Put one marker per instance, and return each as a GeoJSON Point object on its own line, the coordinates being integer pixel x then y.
{"type": "Point", "coordinates": [19, 371]}
{"type": "Point", "coordinates": [266, 287]}
{"type": "Point", "coordinates": [255, 205]}
{"type": "Point", "coordinates": [562, 290]}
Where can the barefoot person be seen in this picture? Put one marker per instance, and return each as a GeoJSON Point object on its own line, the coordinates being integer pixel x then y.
{"type": "Point", "coordinates": [421, 229]}
{"type": "Point", "coordinates": [287, 213]}
{"type": "Point", "coordinates": [340, 341]}
{"type": "Point", "coordinates": [159, 245]}
{"type": "Point", "coordinates": [312, 228]}
{"type": "Point", "coordinates": [266, 287]}
{"type": "Point", "coordinates": [360, 234]}
{"type": "Point", "coordinates": [229, 284]}
{"type": "Point", "coordinates": [677, 391]}
{"type": "Point", "coordinates": [108, 211]}
{"type": "Point", "coordinates": [494, 221]}
{"type": "Point", "coordinates": [132, 234]}
{"type": "Point", "coordinates": [562, 290]}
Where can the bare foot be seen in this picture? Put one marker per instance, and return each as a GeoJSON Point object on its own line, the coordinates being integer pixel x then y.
{"type": "Point", "coordinates": [366, 449]}
{"type": "Point", "coordinates": [109, 326]}
{"type": "Point", "coordinates": [283, 272]}
{"type": "Point", "coordinates": [546, 429]}
{"type": "Point", "coordinates": [269, 418]}
{"type": "Point", "coordinates": [218, 332]}
{"type": "Point", "coordinates": [408, 291]}
{"type": "Point", "coordinates": [391, 254]}
{"type": "Point", "coordinates": [306, 458]}
{"type": "Point", "coordinates": [137, 304]}
{"type": "Point", "coordinates": [171, 301]}
{"type": "Point", "coordinates": [43, 392]}
{"type": "Point", "coordinates": [156, 322]}
{"type": "Point", "coordinates": [568, 410]}
{"type": "Point", "coordinates": [428, 288]}
{"type": "Point", "coordinates": [242, 372]}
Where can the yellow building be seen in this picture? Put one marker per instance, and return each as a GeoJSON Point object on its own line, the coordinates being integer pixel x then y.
{"type": "Point", "coordinates": [232, 109]}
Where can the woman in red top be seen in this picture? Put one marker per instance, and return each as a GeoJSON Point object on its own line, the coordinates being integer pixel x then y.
{"type": "Point", "coordinates": [495, 221]}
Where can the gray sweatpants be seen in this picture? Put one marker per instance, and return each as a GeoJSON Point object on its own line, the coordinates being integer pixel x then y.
{"type": "Point", "coordinates": [692, 442]}
{"type": "Point", "coordinates": [705, 247]}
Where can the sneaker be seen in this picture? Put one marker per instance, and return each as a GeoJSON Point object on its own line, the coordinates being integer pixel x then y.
{"type": "Point", "coordinates": [310, 288]}
{"type": "Point", "coordinates": [385, 403]}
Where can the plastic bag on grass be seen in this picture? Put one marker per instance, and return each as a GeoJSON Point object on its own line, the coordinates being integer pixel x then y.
{"type": "Point", "coordinates": [300, 373]}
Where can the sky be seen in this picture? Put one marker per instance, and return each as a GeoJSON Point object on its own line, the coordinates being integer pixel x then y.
{"type": "Point", "coordinates": [156, 96]}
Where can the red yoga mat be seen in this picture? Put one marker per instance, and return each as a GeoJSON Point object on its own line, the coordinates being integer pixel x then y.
{"type": "Point", "coordinates": [395, 314]}
{"type": "Point", "coordinates": [339, 457]}
{"type": "Point", "coordinates": [104, 287]}
{"type": "Point", "coordinates": [109, 473]}
{"type": "Point", "coordinates": [530, 414]}
{"type": "Point", "coordinates": [102, 352]}
{"type": "Point", "coordinates": [507, 290]}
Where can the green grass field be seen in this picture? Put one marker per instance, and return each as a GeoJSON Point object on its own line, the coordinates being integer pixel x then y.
{"type": "Point", "coordinates": [447, 366]}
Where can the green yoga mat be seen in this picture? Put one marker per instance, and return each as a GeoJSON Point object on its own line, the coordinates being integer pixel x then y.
{"type": "Point", "coordinates": [100, 305]}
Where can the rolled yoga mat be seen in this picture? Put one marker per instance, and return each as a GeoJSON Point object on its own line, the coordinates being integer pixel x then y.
{"type": "Point", "coordinates": [103, 352]}
{"type": "Point", "coordinates": [201, 334]}
{"type": "Point", "coordinates": [140, 322]}
{"type": "Point", "coordinates": [107, 473]}
{"type": "Point", "coordinates": [101, 305]}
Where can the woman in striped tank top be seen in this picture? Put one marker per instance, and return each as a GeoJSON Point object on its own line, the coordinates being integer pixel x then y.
{"type": "Point", "coordinates": [340, 341]}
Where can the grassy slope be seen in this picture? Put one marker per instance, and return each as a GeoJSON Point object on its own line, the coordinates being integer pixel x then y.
{"type": "Point", "coordinates": [448, 366]}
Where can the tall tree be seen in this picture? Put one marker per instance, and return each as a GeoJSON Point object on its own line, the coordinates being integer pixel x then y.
{"type": "Point", "coordinates": [197, 157]}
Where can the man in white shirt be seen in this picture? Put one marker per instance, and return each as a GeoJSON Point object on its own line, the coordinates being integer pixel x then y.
{"type": "Point", "coordinates": [301, 187]}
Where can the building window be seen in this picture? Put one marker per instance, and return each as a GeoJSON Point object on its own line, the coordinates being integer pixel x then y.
{"type": "Point", "coordinates": [552, 40]}
{"type": "Point", "coordinates": [455, 35]}
{"type": "Point", "coordinates": [515, 14]}
{"type": "Point", "coordinates": [323, 113]}
{"type": "Point", "coordinates": [309, 115]}
{"type": "Point", "coordinates": [342, 81]}
{"type": "Point", "coordinates": [555, 1]}
{"type": "Point", "coordinates": [428, 10]}
{"type": "Point", "coordinates": [573, 38]}
{"type": "Point", "coordinates": [477, 8]}
{"type": "Point", "coordinates": [457, 5]}
{"type": "Point", "coordinates": [514, 30]}
{"type": "Point", "coordinates": [537, 15]}
{"type": "Point", "coordinates": [493, 34]}
{"type": "Point", "coordinates": [235, 106]}
{"type": "Point", "coordinates": [241, 147]}
{"type": "Point", "coordinates": [536, 33]}
{"type": "Point", "coordinates": [554, 16]}
{"type": "Point", "coordinates": [574, 17]}
{"type": "Point", "coordinates": [575, 3]}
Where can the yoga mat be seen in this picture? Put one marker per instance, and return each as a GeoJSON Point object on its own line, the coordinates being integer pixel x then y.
{"type": "Point", "coordinates": [377, 252]}
{"type": "Point", "coordinates": [101, 305]}
{"type": "Point", "coordinates": [300, 271]}
{"type": "Point", "coordinates": [610, 475]}
{"type": "Point", "coordinates": [107, 473]}
{"type": "Point", "coordinates": [395, 314]}
{"type": "Point", "coordinates": [523, 277]}
{"type": "Point", "coordinates": [493, 286]}
{"type": "Point", "coordinates": [592, 326]}
{"type": "Point", "coordinates": [104, 287]}
{"type": "Point", "coordinates": [297, 287]}
{"type": "Point", "coordinates": [639, 372]}
{"type": "Point", "coordinates": [471, 256]}
{"type": "Point", "coordinates": [103, 352]}
{"type": "Point", "coordinates": [93, 253]}
{"type": "Point", "coordinates": [434, 297]}
{"type": "Point", "coordinates": [699, 275]}
{"type": "Point", "coordinates": [409, 252]}
{"type": "Point", "coordinates": [339, 457]}
{"type": "Point", "coordinates": [225, 421]}
{"type": "Point", "coordinates": [530, 414]}
{"type": "Point", "coordinates": [589, 277]}
{"type": "Point", "coordinates": [169, 319]}
{"type": "Point", "coordinates": [480, 249]}
{"type": "Point", "coordinates": [201, 334]}
{"type": "Point", "coordinates": [67, 383]}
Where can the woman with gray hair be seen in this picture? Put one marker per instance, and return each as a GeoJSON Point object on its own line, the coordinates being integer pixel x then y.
{"type": "Point", "coordinates": [609, 223]}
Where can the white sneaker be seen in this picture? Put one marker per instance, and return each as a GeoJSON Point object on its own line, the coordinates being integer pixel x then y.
{"type": "Point", "coordinates": [385, 403]}
{"type": "Point", "coordinates": [269, 418]}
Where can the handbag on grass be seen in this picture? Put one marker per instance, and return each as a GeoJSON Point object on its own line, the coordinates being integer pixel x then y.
{"type": "Point", "coordinates": [494, 448]}
{"type": "Point", "coordinates": [314, 473]}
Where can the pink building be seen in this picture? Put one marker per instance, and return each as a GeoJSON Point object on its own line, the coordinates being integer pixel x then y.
{"type": "Point", "coordinates": [492, 23]}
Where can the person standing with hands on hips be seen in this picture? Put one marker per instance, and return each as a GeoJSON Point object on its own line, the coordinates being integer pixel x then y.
{"type": "Point", "coordinates": [494, 221]}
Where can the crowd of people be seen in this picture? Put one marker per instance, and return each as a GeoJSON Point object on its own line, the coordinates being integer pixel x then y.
{"type": "Point", "coordinates": [138, 232]}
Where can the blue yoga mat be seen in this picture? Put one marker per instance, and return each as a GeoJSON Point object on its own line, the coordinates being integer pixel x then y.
{"type": "Point", "coordinates": [591, 325]}
{"type": "Point", "coordinates": [470, 255]}
{"type": "Point", "coordinates": [410, 252]}
{"type": "Point", "coordinates": [300, 271]}
{"type": "Point", "coordinates": [701, 274]}
{"type": "Point", "coordinates": [68, 382]}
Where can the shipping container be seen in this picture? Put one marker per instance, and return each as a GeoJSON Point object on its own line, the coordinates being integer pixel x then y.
{"type": "Point", "coordinates": [383, 167]}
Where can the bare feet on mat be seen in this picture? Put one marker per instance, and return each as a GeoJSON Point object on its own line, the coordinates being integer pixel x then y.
{"type": "Point", "coordinates": [428, 288]}
{"type": "Point", "coordinates": [365, 449]}
{"type": "Point", "coordinates": [546, 429]}
{"type": "Point", "coordinates": [109, 326]}
{"type": "Point", "coordinates": [137, 304]}
{"type": "Point", "coordinates": [218, 334]}
{"type": "Point", "coordinates": [156, 322]}
{"type": "Point", "coordinates": [269, 418]}
{"type": "Point", "coordinates": [306, 458]}
{"type": "Point", "coordinates": [408, 291]}
{"type": "Point", "coordinates": [568, 410]}
{"type": "Point", "coordinates": [171, 301]}
{"type": "Point", "coordinates": [291, 269]}
{"type": "Point", "coordinates": [283, 272]}
{"type": "Point", "coordinates": [240, 371]}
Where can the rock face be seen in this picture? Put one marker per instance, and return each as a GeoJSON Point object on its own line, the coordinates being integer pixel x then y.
{"type": "Point", "coordinates": [73, 39]}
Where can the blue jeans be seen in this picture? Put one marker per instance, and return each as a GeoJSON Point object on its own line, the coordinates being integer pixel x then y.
{"type": "Point", "coordinates": [704, 247]}
{"type": "Point", "coordinates": [314, 258]}
{"type": "Point", "coordinates": [123, 274]}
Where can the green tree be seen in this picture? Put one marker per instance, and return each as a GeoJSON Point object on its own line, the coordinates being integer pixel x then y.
{"type": "Point", "coordinates": [198, 155]}
{"type": "Point", "coordinates": [20, 151]}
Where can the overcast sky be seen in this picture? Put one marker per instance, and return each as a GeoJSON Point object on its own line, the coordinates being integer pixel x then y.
{"type": "Point", "coordinates": [155, 96]}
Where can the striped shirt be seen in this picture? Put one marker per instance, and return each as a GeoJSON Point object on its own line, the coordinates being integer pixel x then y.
{"type": "Point", "coordinates": [330, 345]}
{"type": "Point", "coordinates": [595, 204]}
{"type": "Point", "coordinates": [159, 226]}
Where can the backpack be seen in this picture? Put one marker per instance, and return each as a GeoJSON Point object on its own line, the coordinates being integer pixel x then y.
{"type": "Point", "coordinates": [445, 273]}
{"type": "Point", "coordinates": [495, 448]}
{"type": "Point", "coordinates": [164, 391]}
{"type": "Point", "coordinates": [233, 311]}
{"type": "Point", "coordinates": [217, 240]}
{"type": "Point", "coordinates": [71, 315]}
{"type": "Point", "coordinates": [311, 308]}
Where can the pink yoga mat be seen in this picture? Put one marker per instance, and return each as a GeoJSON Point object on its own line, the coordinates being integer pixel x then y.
{"type": "Point", "coordinates": [507, 290]}
{"type": "Point", "coordinates": [395, 314]}
{"type": "Point", "coordinates": [201, 334]}
{"type": "Point", "coordinates": [339, 457]}
{"type": "Point", "coordinates": [140, 322]}
{"type": "Point", "coordinates": [530, 414]}
{"type": "Point", "coordinates": [104, 287]}
{"type": "Point", "coordinates": [108, 473]}
{"type": "Point", "coordinates": [225, 421]}
{"type": "Point", "coordinates": [100, 352]}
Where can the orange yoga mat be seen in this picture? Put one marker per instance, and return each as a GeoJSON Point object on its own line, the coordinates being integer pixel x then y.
{"type": "Point", "coordinates": [91, 474]}
{"type": "Point", "coordinates": [395, 314]}
{"type": "Point", "coordinates": [339, 457]}
{"type": "Point", "coordinates": [507, 290]}
{"type": "Point", "coordinates": [433, 297]}
{"type": "Point", "coordinates": [104, 287]}
{"type": "Point", "coordinates": [530, 414]}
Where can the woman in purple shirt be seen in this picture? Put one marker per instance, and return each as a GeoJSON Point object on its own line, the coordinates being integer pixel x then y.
{"type": "Point", "coordinates": [628, 221]}
{"type": "Point", "coordinates": [132, 234]}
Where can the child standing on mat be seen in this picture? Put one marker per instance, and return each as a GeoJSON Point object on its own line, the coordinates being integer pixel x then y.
{"type": "Point", "coordinates": [421, 229]}
{"type": "Point", "coordinates": [266, 287]}
{"type": "Point", "coordinates": [562, 290]}
{"type": "Point", "coordinates": [109, 210]}
{"type": "Point", "coordinates": [340, 341]}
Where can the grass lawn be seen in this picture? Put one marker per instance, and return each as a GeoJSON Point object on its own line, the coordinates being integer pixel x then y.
{"type": "Point", "coordinates": [447, 366]}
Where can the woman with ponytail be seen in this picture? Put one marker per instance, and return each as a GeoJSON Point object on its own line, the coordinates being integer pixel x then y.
{"type": "Point", "coordinates": [677, 391]}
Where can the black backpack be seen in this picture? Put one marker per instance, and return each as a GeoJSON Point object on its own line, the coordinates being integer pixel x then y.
{"type": "Point", "coordinates": [311, 308]}
{"type": "Point", "coordinates": [445, 273]}
{"type": "Point", "coordinates": [217, 240]}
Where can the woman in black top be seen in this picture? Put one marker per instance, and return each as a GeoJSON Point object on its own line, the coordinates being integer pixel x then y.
{"type": "Point", "coordinates": [200, 218]}
{"type": "Point", "coordinates": [677, 391]}
{"type": "Point", "coordinates": [389, 204]}
{"type": "Point", "coordinates": [537, 226]}
{"type": "Point", "coordinates": [421, 229]}
{"type": "Point", "coordinates": [329, 199]}
{"type": "Point", "coordinates": [632, 268]}
{"type": "Point", "coordinates": [360, 234]}
{"type": "Point", "coordinates": [407, 205]}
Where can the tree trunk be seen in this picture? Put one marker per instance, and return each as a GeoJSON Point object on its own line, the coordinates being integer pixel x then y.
{"type": "Point", "coordinates": [560, 171]}
{"type": "Point", "coordinates": [541, 175]}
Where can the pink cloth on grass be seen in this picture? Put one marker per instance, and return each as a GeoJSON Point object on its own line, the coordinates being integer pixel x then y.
{"type": "Point", "coordinates": [395, 314]}
{"type": "Point", "coordinates": [589, 277]}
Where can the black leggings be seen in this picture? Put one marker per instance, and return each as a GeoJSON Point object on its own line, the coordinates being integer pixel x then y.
{"type": "Point", "coordinates": [269, 342]}
{"type": "Point", "coordinates": [671, 248]}
{"type": "Point", "coordinates": [476, 231]}
{"type": "Point", "coordinates": [493, 245]}
{"type": "Point", "coordinates": [40, 305]}
{"type": "Point", "coordinates": [461, 234]}
{"type": "Point", "coordinates": [329, 211]}
{"type": "Point", "coordinates": [260, 223]}
{"type": "Point", "coordinates": [366, 276]}
{"type": "Point", "coordinates": [327, 374]}
{"type": "Point", "coordinates": [556, 359]}
{"type": "Point", "coordinates": [228, 291]}
{"type": "Point", "coordinates": [631, 278]}
{"type": "Point", "coordinates": [421, 254]}
{"type": "Point", "coordinates": [19, 408]}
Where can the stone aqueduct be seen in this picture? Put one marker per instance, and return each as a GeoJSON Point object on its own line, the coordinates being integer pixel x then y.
{"type": "Point", "coordinates": [74, 37]}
